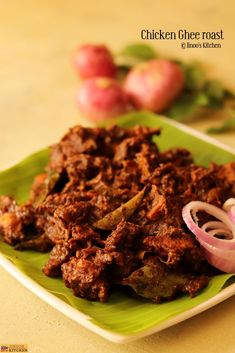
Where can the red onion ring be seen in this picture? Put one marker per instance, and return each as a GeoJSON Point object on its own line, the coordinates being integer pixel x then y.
{"type": "Point", "coordinates": [224, 260]}
{"type": "Point", "coordinates": [228, 204]}
{"type": "Point", "coordinates": [221, 231]}
{"type": "Point", "coordinates": [220, 262]}
{"type": "Point", "coordinates": [231, 214]}
{"type": "Point", "coordinates": [200, 234]}
{"type": "Point", "coordinates": [220, 253]}
{"type": "Point", "coordinates": [214, 225]}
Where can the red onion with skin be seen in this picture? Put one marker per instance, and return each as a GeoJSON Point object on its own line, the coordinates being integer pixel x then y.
{"type": "Point", "coordinates": [102, 98]}
{"type": "Point", "coordinates": [154, 85]}
{"type": "Point", "coordinates": [94, 60]}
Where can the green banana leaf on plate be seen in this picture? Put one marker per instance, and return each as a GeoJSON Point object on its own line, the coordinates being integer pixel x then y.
{"type": "Point", "coordinates": [123, 318]}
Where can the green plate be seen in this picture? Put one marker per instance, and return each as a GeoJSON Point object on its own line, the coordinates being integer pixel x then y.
{"type": "Point", "coordinates": [123, 318]}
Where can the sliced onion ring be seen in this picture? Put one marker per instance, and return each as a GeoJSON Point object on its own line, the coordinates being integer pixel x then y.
{"type": "Point", "coordinates": [223, 260]}
{"type": "Point", "coordinates": [214, 225]}
{"type": "Point", "coordinates": [228, 204]}
{"type": "Point", "coordinates": [220, 253]}
{"type": "Point", "coordinates": [220, 231]}
{"type": "Point", "coordinates": [202, 235]}
{"type": "Point", "coordinates": [222, 263]}
{"type": "Point", "coordinates": [228, 254]}
{"type": "Point", "coordinates": [231, 214]}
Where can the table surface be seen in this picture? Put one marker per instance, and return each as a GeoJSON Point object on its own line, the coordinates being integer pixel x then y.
{"type": "Point", "coordinates": [37, 91]}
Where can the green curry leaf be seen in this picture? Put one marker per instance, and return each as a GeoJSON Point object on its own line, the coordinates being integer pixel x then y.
{"type": "Point", "coordinates": [111, 220]}
{"type": "Point", "coordinates": [154, 280]}
{"type": "Point", "coordinates": [139, 51]}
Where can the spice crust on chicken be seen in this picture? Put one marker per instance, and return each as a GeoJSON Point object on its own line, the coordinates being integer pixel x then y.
{"type": "Point", "coordinates": [109, 210]}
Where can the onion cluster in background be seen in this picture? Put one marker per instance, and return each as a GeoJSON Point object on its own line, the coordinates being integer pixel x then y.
{"type": "Point", "coordinates": [138, 78]}
{"type": "Point", "coordinates": [151, 85]}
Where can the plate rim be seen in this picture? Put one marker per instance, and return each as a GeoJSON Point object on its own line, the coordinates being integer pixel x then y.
{"type": "Point", "coordinates": [85, 320]}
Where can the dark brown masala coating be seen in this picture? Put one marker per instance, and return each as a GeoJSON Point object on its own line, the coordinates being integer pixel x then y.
{"type": "Point", "coordinates": [91, 173]}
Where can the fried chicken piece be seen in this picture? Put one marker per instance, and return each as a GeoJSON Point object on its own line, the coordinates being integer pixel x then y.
{"type": "Point", "coordinates": [60, 254]}
{"type": "Point", "coordinates": [85, 278]}
{"type": "Point", "coordinates": [18, 223]}
{"type": "Point", "coordinates": [173, 245]}
{"type": "Point", "coordinates": [92, 173]}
